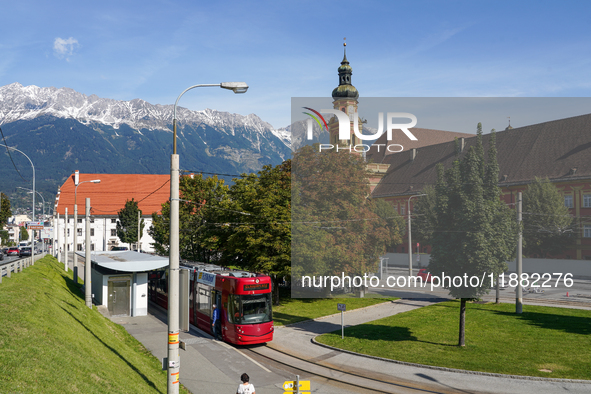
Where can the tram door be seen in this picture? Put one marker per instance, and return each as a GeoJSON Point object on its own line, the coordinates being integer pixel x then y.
{"type": "Point", "coordinates": [216, 298]}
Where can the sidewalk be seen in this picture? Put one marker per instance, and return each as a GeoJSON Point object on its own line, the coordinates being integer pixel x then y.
{"type": "Point", "coordinates": [213, 367]}
{"type": "Point", "coordinates": [209, 366]}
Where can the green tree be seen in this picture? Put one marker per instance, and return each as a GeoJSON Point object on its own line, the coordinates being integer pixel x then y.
{"type": "Point", "coordinates": [23, 233]}
{"type": "Point", "coordinates": [474, 232]}
{"type": "Point", "coordinates": [394, 223]}
{"type": "Point", "coordinates": [127, 225]}
{"type": "Point", "coordinates": [5, 211]}
{"type": "Point", "coordinates": [4, 237]}
{"type": "Point", "coordinates": [547, 222]}
{"type": "Point", "coordinates": [198, 219]}
{"type": "Point", "coordinates": [335, 226]}
{"type": "Point", "coordinates": [256, 230]}
{"type": "Point", "coordinates": [423, 216]}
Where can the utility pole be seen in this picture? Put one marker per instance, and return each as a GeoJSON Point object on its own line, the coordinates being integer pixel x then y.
{"type": "Point", "coordinates": [138, 230]}
{"type": "Point", "coordinates": [87, 262]}
{"type": "Point", "coordinates": [75, 248]}
{"type": "Point", "coordinates": [410, 237]}
{"type": "Point", "coordinates": [65, 252]}
{"type": "Point", "coordinates": [519, 294]}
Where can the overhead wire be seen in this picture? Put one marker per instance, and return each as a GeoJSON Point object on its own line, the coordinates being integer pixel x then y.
{"type": "Point", "coordinates": [8, 150]}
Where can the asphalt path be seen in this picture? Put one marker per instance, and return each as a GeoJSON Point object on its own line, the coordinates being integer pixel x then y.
{"type": "Point", "coordinates": [209, 366]}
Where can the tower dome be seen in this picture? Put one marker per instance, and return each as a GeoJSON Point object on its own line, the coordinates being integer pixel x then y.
{"type": "Point", "coordinates": [345, 88]}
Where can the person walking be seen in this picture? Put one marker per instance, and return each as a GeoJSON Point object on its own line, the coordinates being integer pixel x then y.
{"type": "Point", "coordinates": [216, 323]}
{"type": "Point", "coordinates": [245, 387]}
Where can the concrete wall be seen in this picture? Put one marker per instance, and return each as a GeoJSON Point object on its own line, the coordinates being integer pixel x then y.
{"type": "Point", "coordinates": [141, 294]}
{"type": "Point", "coordinates": [578, 268]}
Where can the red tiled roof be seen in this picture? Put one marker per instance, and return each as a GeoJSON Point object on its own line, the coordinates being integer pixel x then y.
{"type": "Point", "coordinates": [109, 196]}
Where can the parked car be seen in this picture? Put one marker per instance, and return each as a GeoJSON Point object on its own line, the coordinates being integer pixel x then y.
{"type": "Point", "coordinates": [25, 251]}
{"type": "Point", "coordinates": [12, 251]}
{"type": "Point", "coordinates": [423, 273]}
{"type": "Point", "coordinates": [5, 250]}
{"type": "Point", "coordinates": [1, 256]}
{"type": "Point", "coordinates": [119, 248]}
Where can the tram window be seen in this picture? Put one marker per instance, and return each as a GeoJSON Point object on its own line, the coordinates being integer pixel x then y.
{"type": "Point", "coordinates": [256, 309]}
{"type": "Point", "coordinates": [230, 308]}
{"type": "Point", "coordinates": [204, 299]}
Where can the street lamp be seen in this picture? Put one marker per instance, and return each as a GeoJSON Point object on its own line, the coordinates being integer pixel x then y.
{"type": "Point", "coordinates": [74, 257]}
{"type": "Point", "coordinates": [409, 236]}
{"type": "Point", "coordinates": [173, 268]}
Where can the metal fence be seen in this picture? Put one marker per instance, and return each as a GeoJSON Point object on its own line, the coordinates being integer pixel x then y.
{"type": "Point", "coordinates": [17, 265]}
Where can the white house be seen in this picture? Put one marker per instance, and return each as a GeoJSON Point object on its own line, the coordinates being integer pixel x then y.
{"type": "Point", "coordinates": [107, 198]}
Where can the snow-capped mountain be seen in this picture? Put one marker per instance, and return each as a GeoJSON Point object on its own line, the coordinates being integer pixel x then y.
{"type": "Point", "coordinates": [62, 130]}
{"type": "Point", "coordinates": [18, 102]}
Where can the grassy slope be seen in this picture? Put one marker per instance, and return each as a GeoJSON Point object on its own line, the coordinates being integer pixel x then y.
{"type": "Point", "coordinates": [497, 340]}
{"type": "Point", "coordinates": [50, 342]}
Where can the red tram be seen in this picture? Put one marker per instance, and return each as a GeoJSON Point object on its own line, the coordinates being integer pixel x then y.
{"type": "Point", "coordinates": [244, 300]}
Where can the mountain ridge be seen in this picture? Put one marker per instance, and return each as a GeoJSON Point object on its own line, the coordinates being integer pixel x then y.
{"type": "Point", "coordinates": [62, 130]}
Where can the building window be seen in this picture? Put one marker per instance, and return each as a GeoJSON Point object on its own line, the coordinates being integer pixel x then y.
{"type": "Point", "coordinates": [402, 209]}
{"type": "Point", "coordinates": [568, 201]}
{"type": "Point", "coordinates": [113, 232]}
{"type": "Point", "coordinates": [79, 231]}
{"type": "Point", "coordinates": [587, 200]}
{"type": "Point", "coordinates": [92, 232]}
{"type": "Point", "coordinates": [79, 248]}
{"type": "Point", "coordinates": [80, 220]}
{"type": "Point", "coordinates": [68, 232]}
{"type": "Point", "coordinates": [91, 220]}
{"type": "Point", "coordinates": [113, 220]}
{"type": "Point", "coordinates": [92, 247]}
{"type": "Point", "coordinates": [587, 231]}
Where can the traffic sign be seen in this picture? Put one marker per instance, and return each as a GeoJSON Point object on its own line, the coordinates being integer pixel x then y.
{"type": "Point", "coordinates": [342, 307]}
{"type": "Point", "coordinates": [35, 225]}
{"type": "Point", "coordinates": [290, 385]}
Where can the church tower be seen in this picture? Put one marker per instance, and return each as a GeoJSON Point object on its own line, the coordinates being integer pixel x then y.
{"type": "Point", "coordinates": [345, 99]}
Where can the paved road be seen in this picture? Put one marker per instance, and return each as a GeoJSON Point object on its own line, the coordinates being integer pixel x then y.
{"type": "Point", "coordinates": [209, 366]}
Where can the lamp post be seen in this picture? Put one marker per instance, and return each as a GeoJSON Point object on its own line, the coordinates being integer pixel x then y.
{"type": "Point", "coordinates": [409, 236]}
{"type": "Point", "coordinates": [23, 153]}
{"type": "Point", "coordinates": [74, 258]}
{"type": "Point", "coordinates": [173, 366]}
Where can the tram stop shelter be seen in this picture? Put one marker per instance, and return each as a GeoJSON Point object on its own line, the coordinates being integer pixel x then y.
{"type": "Point", "coordinates": [120, 280]}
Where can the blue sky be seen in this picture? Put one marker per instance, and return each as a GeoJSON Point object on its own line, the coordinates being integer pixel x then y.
{"type": "Point", "coordinates": [153, 50]}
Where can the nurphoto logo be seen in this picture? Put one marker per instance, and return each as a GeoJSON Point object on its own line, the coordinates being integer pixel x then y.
{"type": "Point", "coordinates": [345, 128]}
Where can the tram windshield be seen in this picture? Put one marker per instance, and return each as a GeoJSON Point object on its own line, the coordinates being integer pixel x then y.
{"type": "Point", "coordinates": [253, 309]}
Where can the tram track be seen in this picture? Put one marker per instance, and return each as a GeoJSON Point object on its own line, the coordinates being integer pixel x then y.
{"type": "Point", "coordinates": [368, 381]}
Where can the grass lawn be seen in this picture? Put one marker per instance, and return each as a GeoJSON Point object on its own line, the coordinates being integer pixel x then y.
{"type": "Point", "coordinates": [50, 342]}
{"type": "Point", "coordinates": [497, 340]}
{"type": "Point", "coordinates": [293, 310]}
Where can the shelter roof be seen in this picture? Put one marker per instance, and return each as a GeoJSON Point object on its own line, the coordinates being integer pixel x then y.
{"type": "Point", "coordinates": [127, 260]}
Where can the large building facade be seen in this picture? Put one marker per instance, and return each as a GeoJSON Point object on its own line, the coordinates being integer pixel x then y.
{"type": "Point", "coordinates": [559, 150]}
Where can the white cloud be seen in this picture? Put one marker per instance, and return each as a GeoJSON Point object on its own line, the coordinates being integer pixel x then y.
{"type": "Point", "coordinates": [64, 48]}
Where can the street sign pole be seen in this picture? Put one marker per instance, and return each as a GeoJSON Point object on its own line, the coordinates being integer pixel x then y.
{"type": "Point", "coordinates": [342, 308]}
